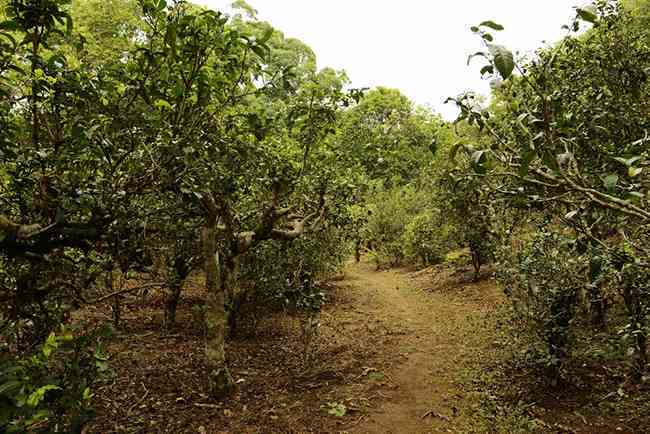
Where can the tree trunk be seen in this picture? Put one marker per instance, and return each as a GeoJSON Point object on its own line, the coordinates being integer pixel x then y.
{"type": "Point", "coordinates": [110, 288]}
{"type": "Point", "coordinates": [597, 303]}
{"type": "Point", "coordinates": [598, 307]}
{"type": "Point", "coordinates": [220, 382]}
{"type": "Point", "coordinates": [476, 263]}
{"type": "Point", "coordinates": [172, 295]}
{"type": "Point", "coordinates": [637, 316]}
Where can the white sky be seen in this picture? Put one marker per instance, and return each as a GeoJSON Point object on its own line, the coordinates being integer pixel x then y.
{"type": "Point", "coordinates": [417, 46]}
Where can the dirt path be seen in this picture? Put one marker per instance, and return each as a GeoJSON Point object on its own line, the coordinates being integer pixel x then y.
{"type": "Point", "coordinates": [431, 349]}
{"type": "Point", "coordinates": [393, 352]}
{"type": "Point", "coordinates": [390, 349]}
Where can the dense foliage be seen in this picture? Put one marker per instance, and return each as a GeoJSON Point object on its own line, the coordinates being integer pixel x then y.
{"type": "Point", "coordinates": [140, 145]}
{"type": "Point", "coordinates": [142, 142]}
{"type": "Point", "coordinates": [565, 141]}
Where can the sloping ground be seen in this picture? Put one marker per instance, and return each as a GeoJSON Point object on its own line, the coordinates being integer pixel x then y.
{"type": "Point", "coordinates": [393, 352]}
{"type": "Point", "coordinates": [284, 379]}
{"type": "Point", "coordinates": [384, 358]}
{"type": "Point", "coordinates": [432, 353]}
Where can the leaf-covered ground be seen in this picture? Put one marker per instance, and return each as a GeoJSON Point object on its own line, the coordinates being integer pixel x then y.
{"type": "Point", "coordinates": [395, 351]}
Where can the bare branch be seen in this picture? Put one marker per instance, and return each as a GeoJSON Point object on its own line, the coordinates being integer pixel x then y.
{"type": "Point", "coordinates": [125, 291]}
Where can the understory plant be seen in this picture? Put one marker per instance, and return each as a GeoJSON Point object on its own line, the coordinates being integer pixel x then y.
{"type": "Point", "coordinates": [544, 279]}
{"type": "Point", "coordinates": [51, 388]}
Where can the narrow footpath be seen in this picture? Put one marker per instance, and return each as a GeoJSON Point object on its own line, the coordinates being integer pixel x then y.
{"type": "Point", "coordinates": [435, 342]}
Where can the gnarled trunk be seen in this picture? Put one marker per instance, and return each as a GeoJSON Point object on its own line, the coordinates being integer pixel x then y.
{"type": "Point", "coordinates": [597, 302]}
{"type": "Point", "coordinates": [178, 270]}
{"type": "Point", "coordinates": [220, 381]}
{"type": "Point", "coordinates": [172, 295]}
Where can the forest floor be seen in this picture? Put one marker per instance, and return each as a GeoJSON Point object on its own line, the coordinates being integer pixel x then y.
{"type": "Point", "coordinates": [392, 352]}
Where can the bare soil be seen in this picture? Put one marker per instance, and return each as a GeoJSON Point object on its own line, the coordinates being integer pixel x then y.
{"type": "Point", "coordinates": [391, 354]}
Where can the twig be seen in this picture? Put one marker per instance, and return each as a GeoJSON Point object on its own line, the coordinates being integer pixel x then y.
{"type": "Point", "coordinates": [146, 393]}
{"type": "Point", "coordinates": [207, 405]}
{"type": "Point", "coordinates": [126, 290]}
{"type": "Point", "coordinates": [434, 414]}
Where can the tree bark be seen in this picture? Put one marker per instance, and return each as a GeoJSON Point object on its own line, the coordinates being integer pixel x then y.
{"type": "Point", "coordinates": [637, 317]}
{"type": "Point", "coordinates": [172, 294]}
{"type": "Point", "coordinates": [476, 262]}
{"type": "Point", "coordinates": [597, 303]}
{"type": "Point", "coordinates": [220, 382]}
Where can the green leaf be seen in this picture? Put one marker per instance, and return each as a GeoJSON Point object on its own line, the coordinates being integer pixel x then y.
{"type": "Point", "coordinates": [9, 387]}
{"type": "Point", "coordinates": [10, 38]}
{"type": "Point", "coordinates": [337, 409]}
{"type": "Point", "coordinates": [454, 151]}
{"type": "Point", "coordinates": [51, 344]}
{"type": "Point", "coordinates": [633, 172]}
{"type": "Point", "coordinates": [39, 394]}
{"type": "Point", "coordinates": [636, 195]}
{"type": "Point", "coordinates": [162, 104]}
{"type": "Point", "coordinates": [478, 158]}
{"type": "Point", "coordinates": [259, 50]}
{"type": "Point", "coordinates": [487, 69]}
{"type": "Point", "coordinates": [433, 146]}
{"type": "Point", "coordinates": [477, 54]}
{"type": "Point", "coordinates": [627, 162]}
{"type": "Point", "coordinates": [588, 14]}
{"type": "Point", "coordinates": [610, 182]}
{"type": "Point", "coordinates": [9, 25]}
{"type": "Point", "coordinates": [87, 394]}
{"type": "Point", "coordinates": [504, 61]}
{"type": "Point", "coordinates": [267, 35]}
{"type": "Point", "coordinates": [492, 25]}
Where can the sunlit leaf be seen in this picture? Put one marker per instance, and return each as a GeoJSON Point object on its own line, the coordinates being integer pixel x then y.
{"type": "Point", "coordinates": [588, 14]}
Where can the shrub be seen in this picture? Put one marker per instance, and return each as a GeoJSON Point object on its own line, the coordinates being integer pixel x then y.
{"type": "Point", "coordinates": [427, 238]}
{"type": "Point", "coordinates": [390, 212]}
{"type": "Point", "coordinates": [285, 275]}
{"type": "Point", "coordinates": [544, 280]}
{"type": "Point", "coordinates": [50, 389]}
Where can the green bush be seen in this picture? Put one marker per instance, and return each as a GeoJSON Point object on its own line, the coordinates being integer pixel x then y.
{"type": "Point", "coordinates": [427, 238]}
{"type": "Point", "coordinates": [285, 275]}
{"type": "Point", "coordinates": [390, 212]}
{"type": "Point", "coordinates": [50, 389]}
{"type": "Point", "coordinates": [544, 279]}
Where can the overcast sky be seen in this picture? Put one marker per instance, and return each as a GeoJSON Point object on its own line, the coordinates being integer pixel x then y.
{"type": "Point", "coordinates": [417, 46]}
